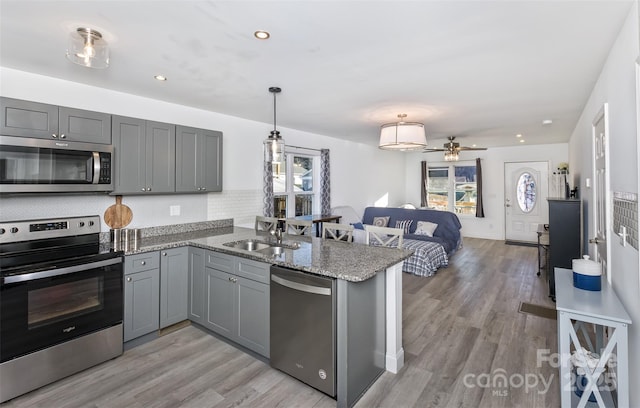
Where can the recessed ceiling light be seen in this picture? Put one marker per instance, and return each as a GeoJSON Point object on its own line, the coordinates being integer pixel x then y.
{"type": "Point", "coordinates": [261, 35]}
{"type": "Point", "coordinates": [160, 77]}
{"type": "Point", "coordinates": [547, 122]}
{"type": "Point", "coordinates": [521, 140]}
{"type": "Point", "coordinates": [473, 145]}
{"type": "Point", "coordinates": [518, 135]}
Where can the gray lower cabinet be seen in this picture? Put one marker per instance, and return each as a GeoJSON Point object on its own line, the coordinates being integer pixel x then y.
{"type": "Point", "coordinates": [144, 156]}
{"type": "Point", "coordinates": [198, 160]}
{"type": "Point", "coordinates": [141, 294]}
{"type": "Point", "coordinates": [237, 300]}
{"type": "Point", "coordinates": [174, 293]}
{"type": "Point", "coordinates": [44, 121]}
{"type": "Point", "coordinates": [196, 301]}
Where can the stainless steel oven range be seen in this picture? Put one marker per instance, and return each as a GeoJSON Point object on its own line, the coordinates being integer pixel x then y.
{"type": "Point", "coordinates": [61, 301]}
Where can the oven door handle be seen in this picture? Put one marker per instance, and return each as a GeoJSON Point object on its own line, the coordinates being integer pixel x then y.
{"type": "Point", "coordinates": [62, 271]}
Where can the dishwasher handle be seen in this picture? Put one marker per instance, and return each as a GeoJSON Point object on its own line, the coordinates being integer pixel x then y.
{"type": "Point", "coordinates": [301, 286]}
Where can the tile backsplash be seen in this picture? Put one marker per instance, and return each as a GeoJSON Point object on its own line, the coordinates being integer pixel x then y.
{"type": "Point", "coordinates": [625, 214]}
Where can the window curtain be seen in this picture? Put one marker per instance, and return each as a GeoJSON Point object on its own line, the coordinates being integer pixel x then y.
{"type": "Point", "coordinates": [479, 207]}
{"type": "Point", "coordinates": [424, 201]}
{"type": "Point", "coordinates": [267, 189]}
{"type": "Point", "coordinates": [325, 182]}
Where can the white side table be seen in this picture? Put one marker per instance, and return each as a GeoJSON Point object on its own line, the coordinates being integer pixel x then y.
{"type": "Point", "coordinates": [576, 307]}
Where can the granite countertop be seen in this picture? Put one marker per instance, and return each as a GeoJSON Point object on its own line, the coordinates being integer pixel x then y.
{"type": "Point", "coordinates": [348, 261]}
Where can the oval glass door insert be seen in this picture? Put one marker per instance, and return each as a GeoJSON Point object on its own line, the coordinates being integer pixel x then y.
{"type": "Point", "coordinates": [526, 190]}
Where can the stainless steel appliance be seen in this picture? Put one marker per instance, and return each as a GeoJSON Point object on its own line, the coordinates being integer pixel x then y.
{"type": "Point", "coordinates": [61, 301]}
{"type": "Point", "coordinates": [29, 165]}
{"type": "Point", "coordinates": [303, 322]}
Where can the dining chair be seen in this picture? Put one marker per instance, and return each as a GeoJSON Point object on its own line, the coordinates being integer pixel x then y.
{"type": "Point", "coordinates": [266, 223]}
{"type": "Point", "coordinates": [338, 232]}
{"type": "Point", "coordinates": [384, 236]}
{"type": "Point", "coordinates": [297, 227]}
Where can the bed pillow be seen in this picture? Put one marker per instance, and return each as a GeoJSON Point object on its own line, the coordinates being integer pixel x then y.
{"type": "Point", "coordinates": [357, 225]}
{"type": "Point", "coordinates": [380, 221]}
{"type": "Point", "coordinates": [425, 228]}
{"type": "Point", "coordinates": [404, 224]}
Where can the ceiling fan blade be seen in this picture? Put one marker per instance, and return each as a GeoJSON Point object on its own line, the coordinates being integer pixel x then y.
{"type": "Point", "coordinates": [472, 148]}
{"type": "Point", "coordinates": [433, 150]}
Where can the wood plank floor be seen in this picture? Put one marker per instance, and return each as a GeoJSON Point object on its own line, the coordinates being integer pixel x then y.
{"type": "Point", "coordinates": [466, 345]}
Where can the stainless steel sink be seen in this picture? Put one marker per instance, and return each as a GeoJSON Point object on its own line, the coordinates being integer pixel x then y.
{"type": "Point", "coordinates": [248, 245]}
{"type": "Point", "coordinates": [267, 248]}
{"type": "Point", "coordinates": [273, 251]}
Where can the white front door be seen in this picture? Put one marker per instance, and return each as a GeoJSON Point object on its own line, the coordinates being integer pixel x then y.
{"type": "Point", "coordinates": [525, 198]}
{"type": "Point", "coordinates": [601, 221]}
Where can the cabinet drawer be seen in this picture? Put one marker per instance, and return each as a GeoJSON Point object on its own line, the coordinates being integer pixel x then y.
{"type": "Point", "coordinates": [141, 262]}
{"type": "Point", "coordinates": [254, 270]}
{"type": "Point", "coordinates": [219, 261]}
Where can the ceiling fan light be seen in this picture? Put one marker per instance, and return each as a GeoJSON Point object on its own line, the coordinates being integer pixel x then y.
{"type": "Point", "coordinates": [451, 155]}
{"type": "Point", "coordinates": [86, 47]}
{"type": "Point", "coordinates": [402, 136]}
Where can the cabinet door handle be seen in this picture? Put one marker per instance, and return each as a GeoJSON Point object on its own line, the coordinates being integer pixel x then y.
{"type": "Point", "coordinates": [63, 136]}
{"type": "Point", "coordinates": [164, 254]}
{"type": "Point", "coordinates": [129, 279]}
{"type": "Point", "coordinates": [144, 189]}
{"type": "Point", "coordinates": [232, 279]}
{"type": "Point", "coordinates": [204, 188]}
{"type": "Point", "coordinates": [148, 188]}
{"type": "Point", "coordinates": [143, 262]}
{"type": "Point", "coordinates": [55, 136]}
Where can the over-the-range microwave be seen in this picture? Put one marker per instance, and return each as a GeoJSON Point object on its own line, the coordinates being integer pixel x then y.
{"type": "Point", "coordinates": [30, 165]}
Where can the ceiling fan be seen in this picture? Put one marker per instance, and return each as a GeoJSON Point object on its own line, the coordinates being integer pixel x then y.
{"type": "Point", "coordinates": [451, 149]}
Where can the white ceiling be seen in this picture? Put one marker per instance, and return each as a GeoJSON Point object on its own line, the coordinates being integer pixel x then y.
{"type": "Point", "coordinates": [480, 70]}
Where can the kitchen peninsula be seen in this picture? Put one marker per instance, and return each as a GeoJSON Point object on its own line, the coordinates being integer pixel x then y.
{"type": "Point", "coordinates": [368, 292]}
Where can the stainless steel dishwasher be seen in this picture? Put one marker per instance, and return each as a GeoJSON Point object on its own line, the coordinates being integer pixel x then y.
{"type": "Point", "coordinates": [303, 322]}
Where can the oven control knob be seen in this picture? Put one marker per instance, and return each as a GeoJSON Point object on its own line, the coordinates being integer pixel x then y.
{"type": "Point", "coordinates": [81, 224]}
{"type": "Point", "coordinates": [2, 231]}
{"type": "Point", "coordinates": [91, 223]}
{"type": "Point", "coordinates": [14, 230]}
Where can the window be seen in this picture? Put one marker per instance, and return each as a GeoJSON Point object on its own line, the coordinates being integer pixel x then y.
{"type": "Point", "coordinates": [294, 186]}
{"type": "Point", "coordinates": [452, 188]}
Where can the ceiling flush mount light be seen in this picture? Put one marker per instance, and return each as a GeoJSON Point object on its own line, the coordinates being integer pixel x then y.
{"type": "Point", "coordinates": [262, 35]}
{"type": "Point", "coordinates": [160, 77]}
{"type": "Point", "coordinates": [88, 48]}
{"type": "Point", "coordinates": [274, 145]}
{"type": "Point", "coordinates": [402, 135]}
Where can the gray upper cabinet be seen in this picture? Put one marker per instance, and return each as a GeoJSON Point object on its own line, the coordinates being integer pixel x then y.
{"type": "Point", "coordinates": [144, 155]}
{"type": "Point", "coordinates": [44, 121]}
{"type": "Point", "coordinates": [173, 286]}
{"type": "Point", "coordinates": [198, 160]}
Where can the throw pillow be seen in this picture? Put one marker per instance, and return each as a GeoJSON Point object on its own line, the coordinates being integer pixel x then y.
{"type": "Point", "coordinates": [404, 224]}
{"type": "Point", "coordinates": [357, 225]}
{"type": "Point", "coordinates": [381, 221]}
{"type": "Point", "coordinates": [425, 228]}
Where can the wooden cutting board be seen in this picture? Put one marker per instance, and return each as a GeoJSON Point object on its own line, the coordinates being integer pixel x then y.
{"type": "Point", "coordinates": [118, 215]}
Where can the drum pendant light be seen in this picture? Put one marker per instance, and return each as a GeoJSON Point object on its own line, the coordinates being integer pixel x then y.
{"type": "Point", "coordinates": [402, 135]}
{"type": "Point", "coordinates": [274, 144]}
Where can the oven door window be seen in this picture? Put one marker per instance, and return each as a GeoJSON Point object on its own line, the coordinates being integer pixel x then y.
{"type": "Point", "coordinates": [65, 301]}
{"type": "Point", "coordinates": [36, 165]}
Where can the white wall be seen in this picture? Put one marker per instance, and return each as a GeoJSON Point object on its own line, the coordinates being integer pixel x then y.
{"type": "Point", "coordinates": [617, 87]}
{"type": "Point", "coordinates": [355, 181]}
{"type": "Point", "coordinates": [492, 226]}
